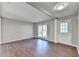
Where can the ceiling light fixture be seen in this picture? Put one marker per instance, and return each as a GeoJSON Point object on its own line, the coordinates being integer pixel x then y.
{"type": "Point", "coordinates": [60, 6]}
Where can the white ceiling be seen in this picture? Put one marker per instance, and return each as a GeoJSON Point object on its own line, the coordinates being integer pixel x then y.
{"type": "Point", "coordinates": [48, 7]}
{"type": "Point", "coordinates": [22, 11]}
{"type": "Point", "coordinates": [35, 11]}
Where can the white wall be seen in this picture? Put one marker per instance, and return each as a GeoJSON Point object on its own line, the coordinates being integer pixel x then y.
{"type": "Point", "coordinates": [78, 36]}
{"type": "Point", "coordinates": [13, 30]}
{"type": "Point", "coordinates": [74, 31]}
{"type": "Point", "coordinates": [78, 31]}
{"type": "Point", "coordinates": [0, 30]}
{"type": "Point", "coordinates": [51, 31]}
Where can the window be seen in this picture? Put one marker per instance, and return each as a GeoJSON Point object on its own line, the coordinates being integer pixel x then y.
{"type": "Point", "coordinates": [64, 27]}
{"type": "Point", "coordinates": [42, 31]}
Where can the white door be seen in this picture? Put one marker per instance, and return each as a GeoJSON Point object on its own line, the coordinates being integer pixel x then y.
{"type": "Point", "coordinates": [64, 31]}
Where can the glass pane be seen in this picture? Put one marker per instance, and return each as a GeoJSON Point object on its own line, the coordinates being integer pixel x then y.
{"type": "Point", "coordinates": [64, 27]}
{"type": "Point", "coordinates": [39, 30]}
{"type": "Point", "coordinates": [61, 26]}
{"type": "Point", "coordinates": [45, 34]}
{"type": "Point", "coordinates": [44, 27]}
{"type": "Point", "coordinates": [39, 34]}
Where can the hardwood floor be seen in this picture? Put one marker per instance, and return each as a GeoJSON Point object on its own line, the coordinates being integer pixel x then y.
{"type": "Point", "coordinates": [36, 48]}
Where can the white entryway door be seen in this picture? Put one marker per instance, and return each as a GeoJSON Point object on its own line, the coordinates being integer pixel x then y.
{"type": "Point", "coordinates": [64, 31]}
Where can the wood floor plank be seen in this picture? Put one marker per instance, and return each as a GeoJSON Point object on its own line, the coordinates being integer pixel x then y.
{"type": "Point", "coordinates": [36, 48]}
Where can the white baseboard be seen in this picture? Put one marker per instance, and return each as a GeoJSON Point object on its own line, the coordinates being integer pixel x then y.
{"type": "Point", "coordinates": [62, 43]}
{"type": "Point", "coordinates": [73, 45]}
{"type": "Point", "coordinates": [52, 41]}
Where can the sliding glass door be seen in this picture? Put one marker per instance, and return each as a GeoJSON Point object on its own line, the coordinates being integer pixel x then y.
{"type": "Point", "coordinates": [42, 30]}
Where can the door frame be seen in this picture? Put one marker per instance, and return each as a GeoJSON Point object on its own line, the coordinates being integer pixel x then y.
{"type": "Point", "coordinates": [57, 28]}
